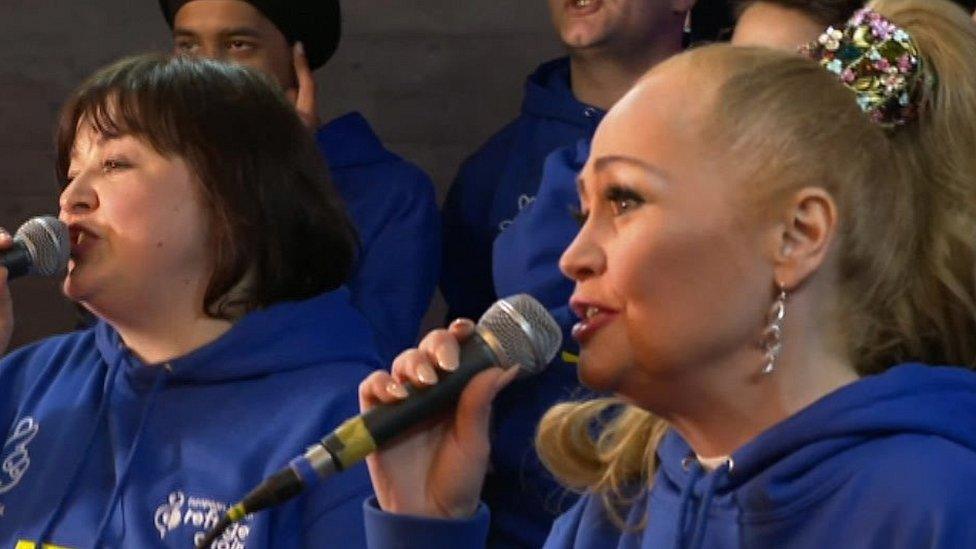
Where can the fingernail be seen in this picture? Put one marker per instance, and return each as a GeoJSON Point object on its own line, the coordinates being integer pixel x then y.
{"type": "Point", "coordinates": [448, 366]}
{"type": "Point", "coordinates": [396, 389]}
{"type": "Point", "coordinates": [426, 374]}
{"type": "Point", "coordinates": [301, 48]}
{"type": "Point", "coordinates": [459, 322]}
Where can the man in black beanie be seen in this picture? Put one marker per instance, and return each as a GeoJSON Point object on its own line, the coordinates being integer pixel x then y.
{"type": "Point", "coordinates": [391, 201]}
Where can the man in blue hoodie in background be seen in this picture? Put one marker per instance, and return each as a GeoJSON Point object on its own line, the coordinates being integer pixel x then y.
{"type": "Point", "coordinates": [611, 43]}
{"type": "Point", "coordinates": [391, 201]}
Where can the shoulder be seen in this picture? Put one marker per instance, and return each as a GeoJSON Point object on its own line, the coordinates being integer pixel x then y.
{"type": "Point", "coordinates": [78, 345]}
{"type": "Point", "coordinates": [496, 149]}
{"type": "Point", "coordinates": [917, 470]}
{"type": "Point", "coordinates": [587, 524]}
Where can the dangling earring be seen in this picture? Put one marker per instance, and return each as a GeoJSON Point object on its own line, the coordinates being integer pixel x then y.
{"type": "Point", "coordinates": [772, 339]}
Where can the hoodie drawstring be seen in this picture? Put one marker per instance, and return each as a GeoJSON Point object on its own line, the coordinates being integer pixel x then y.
{"type": "Point", "coordinates": [695, 470]}
{"type": "Point", "coordinates": [701, 522]}
{"type": "Point", "coordinates": [699, 518]}
{"type": "Point", "coordinates": [79, 463]}
{"type": "Point", "coordinates": [127, 466]}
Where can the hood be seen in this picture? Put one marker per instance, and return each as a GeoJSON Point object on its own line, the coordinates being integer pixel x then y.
{"type": "Point", "coordinates": [284, 336]}
{"type": "Point", "coordinates": [548, 95]}
{"type": "Point", "coordinates": [349, 141]}
{"type": "Point", "coordinates": [782, 464]}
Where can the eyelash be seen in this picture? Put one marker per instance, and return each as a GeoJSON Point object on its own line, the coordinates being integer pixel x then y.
{"type": "Point", "coordinates": [618, 196]}
{"type": "Point", "coordinates": [113, 164]}
{"type": "Point", "coordinates": [578, 215]}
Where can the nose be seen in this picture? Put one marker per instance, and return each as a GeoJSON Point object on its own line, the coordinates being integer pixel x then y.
{"type": "Point", "coordinates": [584, 258]}
{"type": "Point", "coordinates": [78, 197]}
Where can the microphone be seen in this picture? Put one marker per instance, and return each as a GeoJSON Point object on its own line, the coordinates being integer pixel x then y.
{"type": "Point", "coordinates": [516, 330]}
{"type": "Point", "coordinates": [41, 246]}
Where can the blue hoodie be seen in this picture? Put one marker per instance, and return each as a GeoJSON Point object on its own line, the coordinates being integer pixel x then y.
{"type": "Point", "coordinates": [526, 260]}
{"type": "Point", "coordinates": [886, 462]}
{"type": "Point", "coordinates": [393, 206]}
{"type": "Point", "coordinates": [501, 178]}
{"type": "Point", "coordinates": [102, 450]}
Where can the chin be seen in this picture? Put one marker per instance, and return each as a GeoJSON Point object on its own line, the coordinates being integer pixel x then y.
{"type": "Point", "coordinates": [600, 373]}
{"type": "Point", "coordinates": [582, 36]}
{"type": "Point", "coordinates": [75, 286]}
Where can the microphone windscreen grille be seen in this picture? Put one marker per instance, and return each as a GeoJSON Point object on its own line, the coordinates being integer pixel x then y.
{"type": "Point", "coordinates": [525, 331]}
{"type": "Point", "coordinates": [48, 242]}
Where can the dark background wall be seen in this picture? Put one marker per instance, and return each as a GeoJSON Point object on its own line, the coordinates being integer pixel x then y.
{"type": "Point", "coordinates": [434, 77]}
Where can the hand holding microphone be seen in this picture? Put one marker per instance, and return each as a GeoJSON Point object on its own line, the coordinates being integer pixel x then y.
{"type": "Point", "coordinates": [438, 469]}
{"type": "Point", "coordinates": [41, 246]}
{"type": "Point", "coordinates": [426, 445]}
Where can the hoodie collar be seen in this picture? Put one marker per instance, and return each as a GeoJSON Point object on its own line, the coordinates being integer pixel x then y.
{"type": "Point", "coordinates": [548, 94]}
{"type": "Point", "coordinates": [349, 141]}
{"type": "Point", "coordinates": [284, 336]}
{"type": "Point", "coordinates": [910, 398]}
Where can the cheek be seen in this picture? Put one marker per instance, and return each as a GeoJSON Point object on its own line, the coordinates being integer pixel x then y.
{"type": "Point", "coordinates": [689, 296]}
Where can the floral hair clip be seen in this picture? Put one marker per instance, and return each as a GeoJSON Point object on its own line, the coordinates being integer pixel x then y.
{"type": "Point", "coordinates": [877, 60]}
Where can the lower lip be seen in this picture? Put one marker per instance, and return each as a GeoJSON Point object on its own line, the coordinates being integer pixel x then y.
{"type": "Point", "coordinates": [584, 329]}
{"type": "Point", "coordinates": [588, 9]}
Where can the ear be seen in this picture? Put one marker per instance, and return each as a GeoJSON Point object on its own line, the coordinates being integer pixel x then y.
{"type": "Point", "coordinates": [805, 236]}
{"type": "Point", "coordinates": [682, 6]}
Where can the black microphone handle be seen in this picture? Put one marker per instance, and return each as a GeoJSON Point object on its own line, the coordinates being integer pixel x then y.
{"type": "Point", "coordinates": [16, 259]}
{"type": "Point", "coordinates": [386, 421]}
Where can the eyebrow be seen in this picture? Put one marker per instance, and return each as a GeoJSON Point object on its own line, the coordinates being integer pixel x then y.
{"type": "Point", "coordinates": [101, 140]}
{"type": "Point", "coordinates": [232, 31]}
{"type": "Point", "coordinates": [604, 162]}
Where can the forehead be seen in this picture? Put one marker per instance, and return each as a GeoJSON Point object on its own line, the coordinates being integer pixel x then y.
{"type": "Point", "coordinates": [213, 15]}
{"type": "Point", "coordinates": [659, 120]}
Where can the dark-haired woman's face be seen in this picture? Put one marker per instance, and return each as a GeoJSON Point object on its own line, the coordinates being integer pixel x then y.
{"type": "Point", "coordinates": [139, 231]}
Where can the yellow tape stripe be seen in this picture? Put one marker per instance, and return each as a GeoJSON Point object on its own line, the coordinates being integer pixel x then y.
{"type": "Point", "coordinates": [356, 440]}
{"type": "Point", "coordinates": [24, 544]}
{"type": "Point", "coordinates": [236, 512]}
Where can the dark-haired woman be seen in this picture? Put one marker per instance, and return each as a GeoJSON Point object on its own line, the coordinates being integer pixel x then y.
{"type": "Point", "coordinates": [223, 346]}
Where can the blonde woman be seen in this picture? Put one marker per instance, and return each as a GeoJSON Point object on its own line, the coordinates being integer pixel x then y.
{"type": "Point", "coordinates": [756, 240]}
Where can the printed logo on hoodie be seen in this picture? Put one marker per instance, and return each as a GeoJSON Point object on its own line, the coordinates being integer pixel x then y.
{"type": "Point", "coordinates": [14, 458]}
{"type": "Point", "coordinates": [523, 202]}
{"type": "Point", "coordinates": [198, 515]}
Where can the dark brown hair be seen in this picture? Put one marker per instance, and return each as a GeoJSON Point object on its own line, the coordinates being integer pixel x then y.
{"type": "Point", "coordinates": [278, 230]}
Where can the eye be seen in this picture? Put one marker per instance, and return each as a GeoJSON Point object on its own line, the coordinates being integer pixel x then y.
{"type": "Point", "coordinates": [185, 46]}
{"type": "Point", "coordinates": [114, 164]}
{"type": "Point", "coordinates": [240, 45]}
{"type": "Point", "coordinates": [623, 200]}
{"type": "Point", "coordinates": [578, 215]}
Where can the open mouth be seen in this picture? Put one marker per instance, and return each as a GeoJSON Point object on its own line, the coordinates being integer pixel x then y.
{"type": "Point", "coordinates": [81, 240]}
{"type": "Point", "coordinates": [583, 7]}
{"type": "Point", "coordinates": [592, 318]}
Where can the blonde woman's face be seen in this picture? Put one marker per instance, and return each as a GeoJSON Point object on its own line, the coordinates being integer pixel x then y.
{"type": "Point", "coordinates": [669, 275]}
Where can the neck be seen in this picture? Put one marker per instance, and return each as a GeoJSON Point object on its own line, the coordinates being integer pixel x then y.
{"type": "Point", "coordinates": [156, 343]}
{"type": "Point", "coordinates": [721, 407]}
{"type": "Point", "coordinates": [167, 328]}
{"type": "Point", "coordinates": [601, 76]}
